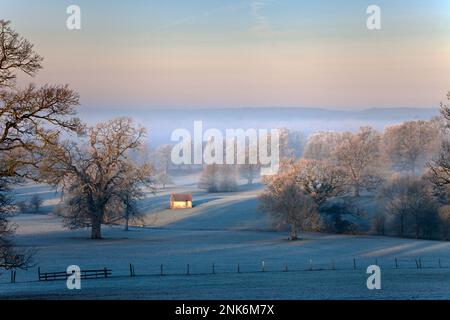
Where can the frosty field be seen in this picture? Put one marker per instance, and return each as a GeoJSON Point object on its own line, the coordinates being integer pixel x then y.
{"type": "Point", "coordinates": [227, 231]}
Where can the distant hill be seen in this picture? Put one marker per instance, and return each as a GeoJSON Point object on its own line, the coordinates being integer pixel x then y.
{"type": "Point", "coordinates": [161, 122]}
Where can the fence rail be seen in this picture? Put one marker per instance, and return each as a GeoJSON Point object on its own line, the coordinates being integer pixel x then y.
{"type": "Point", "coordinates": [84, 274]}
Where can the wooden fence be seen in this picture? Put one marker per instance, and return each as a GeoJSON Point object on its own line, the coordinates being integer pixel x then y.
{"type": "Point", "coordinates": [63, 275]}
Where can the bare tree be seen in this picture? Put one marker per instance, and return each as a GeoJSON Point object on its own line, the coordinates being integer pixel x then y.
{"type": "Point", "coordinates": [36, 203]}
{"type": "Point", "coordinates": [209, 180]}
{"type": "Point", "coordinates": [444, 214]}
{"type": "Point", "coordinates": [163, 160]}
{"type": "Point", "coordinates": [337, 215]}
{"type": "Point", "coordinates": [379, 224]}
{"type": "Point", "coordinates": [96, 173]}
{"type": "Point", "coordinates": [319, 179]}
{"type": "Point", "coordinates": [10, 257]}
{"type": "Point", "coordinates": [228, 178]}
{"type": "Point", "coordinates": [445, 109]}
{"type": "Point", "coordinates": [358, 154]}
{"type": "Point", "coordinates": [31, 119]}
{"type": "Point", "coordinates": [250, 169]}
{"type": "Point", "coordinates": [411, 200]}
{"type": "Point", "coordinates": [130, 208]}
{"type": "Point", "coordinates": [126, 203]}
{"type": "Point", "coordinates": [410, 145]}
{"type": "Point", "coordinates": [440, 166]}
{"type": "Point", "coordinates": [287, 204]}
{"type": "Point", "coordinates": [321, 145]}
{"type": "Point", "coordinates": [296, 143]}
{"type": "Point", "coordinates": [163, 179]}
{"type": "Point", "coordinates": [291, 143]}
{"type": "Point", "coordinates": [16, 54]}
{"type": "Point", "coordinates": [218, 178]}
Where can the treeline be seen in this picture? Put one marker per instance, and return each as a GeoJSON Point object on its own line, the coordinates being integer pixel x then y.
{"type": "Point", "coordinates": [403, 171]}
{"type": "Point", "coordinates": [224, 177]}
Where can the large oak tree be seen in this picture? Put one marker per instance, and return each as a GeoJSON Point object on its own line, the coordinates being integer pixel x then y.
{"type": "Point", "coordinates": [31, 119]}
{"type": "Point", "coordinates": [97, 173]}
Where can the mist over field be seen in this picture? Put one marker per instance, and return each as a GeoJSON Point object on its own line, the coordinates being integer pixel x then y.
{"type": "Point", "coordinates": [162, 122]}
{"type": "Point", "coordinates": [224, 149]}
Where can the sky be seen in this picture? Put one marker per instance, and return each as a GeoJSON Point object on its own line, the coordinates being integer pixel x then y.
{"type": "Point", "coordinates": [241, 53]}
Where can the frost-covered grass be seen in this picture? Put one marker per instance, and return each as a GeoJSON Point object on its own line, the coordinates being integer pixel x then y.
{"type": "Point", "coordinates": [227, 230]}
{"type": "Point", "coordinates": [343, 284]}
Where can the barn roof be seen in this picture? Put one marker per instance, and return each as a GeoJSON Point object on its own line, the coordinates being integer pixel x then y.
{"type": "Point", "coordinates": [181, 197]}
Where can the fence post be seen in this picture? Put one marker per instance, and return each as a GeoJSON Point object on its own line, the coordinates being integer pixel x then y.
{"type": "Point", "coordinates": [420, 263]}
{"type": "Point", "coordinates": [286, 267]}
{"type": "Point", "coordinates": [162, 269]}
{"type": "Point", "coordinates": [263, 267]}
{"type": "Point", "coordinates": [213, 268]}
{"type": "Point", "coordinates": [105, 270]}
{"type": "Point", "coordinates": [354, 264]}
{"type": "Point", "coordinates": [417, 263]}
{"type": "Point", "coordinates": [13, 276]}
{"type": "Point", "coordinates": [310, 264]}
{"type": "Point", "coordinates": [440, 263]}
{"type": "Point", "coordinates": [238, 268]}
{"type": "Point", "coordinates": [187, 269]}
{"type": "Point", "coordinates": [396, 263]}
{"type": "Point", "coordinates": [131, 270]}
{"type": "Point", "coordinates": [39, 273]}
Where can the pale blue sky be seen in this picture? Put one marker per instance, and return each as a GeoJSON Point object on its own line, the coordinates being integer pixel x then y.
{"type": "Point", "coordinates": [232, 53]}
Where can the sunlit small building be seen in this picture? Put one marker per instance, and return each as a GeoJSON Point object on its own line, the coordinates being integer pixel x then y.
{"type": "Point", "coordinates": [180, 201]}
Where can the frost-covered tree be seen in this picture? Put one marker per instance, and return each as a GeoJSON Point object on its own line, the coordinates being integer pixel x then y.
{"type": "Point", "coordinates": [444, 214]}
{"type": "Point", "coordinates": [287, 204]}
{"type": "Point", "coordinates": [228, 178]}
{"type": "Point", "coordinates": [163, 160]}
{"type": "Point", "coordinates": [218, 178]}
{"type": "Point", "coordinates": [94, 174]}
{"type": "Point", "coordinates": [411, 200]}
{"type": "Point", "coordinates": [358, 155]}
{"type": "Point", "coordinates": [125, 206]}
{"type": "Point", "coordinates": [320, 146]}
{"type": "Point", "coordinates": [10, 256]}
{"type": "Point", "coordinates": [163, 179]}
{"type": "Point", "coordinates": [296, 143]}
{"type": "Point", "coordinates": [209, 178]}
{"type": "Point", "coordinates": [31, 119]}
{"type": "Point", "coordinates": [319, 179]}
{"type": "Point", "coordinates": [440, 166]}
{"type": "Point", "coordinates": [410, 145]}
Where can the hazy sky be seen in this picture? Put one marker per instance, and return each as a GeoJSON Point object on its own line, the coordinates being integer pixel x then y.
{"type": "Point", "coordinates": [251, 53]}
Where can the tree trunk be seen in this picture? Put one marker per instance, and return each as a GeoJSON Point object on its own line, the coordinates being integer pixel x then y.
{"type": "Point", "coordinates": [96, 229]}
{"type": "Point", "coordinates": [417, 227]}
{"type": "Point", "coordinates": [250, 177]}
{"type": "Point", "coordinates": [293, 234]}
{"type": "Point", "coordinates": [356, 191]}
{"type": "Point", "coordinates": [402, 225]}
{"type": "Point", "coordinates": [127, 218]}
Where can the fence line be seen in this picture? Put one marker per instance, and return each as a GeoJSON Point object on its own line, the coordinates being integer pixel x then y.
{"type": "Point", "coordinates": [354, 264]}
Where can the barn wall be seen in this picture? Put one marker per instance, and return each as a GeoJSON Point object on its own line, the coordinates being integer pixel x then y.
{"type": "Point", "coordinates": [181, 204]}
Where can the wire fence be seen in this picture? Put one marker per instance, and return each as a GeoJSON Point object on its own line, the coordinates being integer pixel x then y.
{"type": "Point", "coordinates": [264, 266]}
